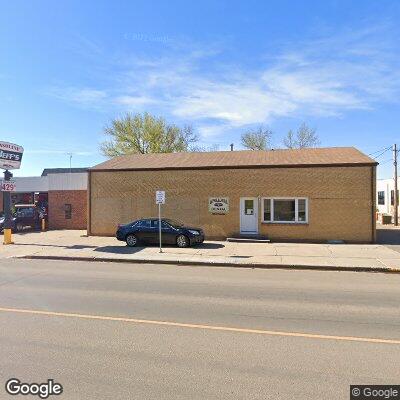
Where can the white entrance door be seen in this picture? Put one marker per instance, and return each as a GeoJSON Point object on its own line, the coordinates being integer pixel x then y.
{"type": "Point", "coordinates": [248, 215]}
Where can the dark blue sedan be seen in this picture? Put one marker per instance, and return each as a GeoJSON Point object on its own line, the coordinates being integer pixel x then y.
{"type": "Point", "coordinates": [147, 231]}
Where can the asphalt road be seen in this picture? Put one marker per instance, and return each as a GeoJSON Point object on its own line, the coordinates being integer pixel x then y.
{"type": "Point", "coordinates": [102, 331]}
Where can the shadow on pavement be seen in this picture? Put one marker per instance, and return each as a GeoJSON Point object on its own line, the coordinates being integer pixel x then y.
{"type": "Point", "coordinates": [131, 250]}
{"type": "Point", "coordinates": [72, 247]}
{"type": "Point", "coordinates": [388, 236]}
{"type": "Point", "coordinates": [119, 249]}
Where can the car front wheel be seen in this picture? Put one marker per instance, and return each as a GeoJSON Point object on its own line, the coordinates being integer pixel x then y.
{"type": "Point", "coordinates": [131, 240]}
{"type": "Point", "coordinates": [182, 241]}
{"type": "Point", "coordinates": [19, 227]}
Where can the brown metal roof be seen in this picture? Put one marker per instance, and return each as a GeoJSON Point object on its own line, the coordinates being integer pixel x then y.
{"type": "Point", "coordinates": [332, 156]}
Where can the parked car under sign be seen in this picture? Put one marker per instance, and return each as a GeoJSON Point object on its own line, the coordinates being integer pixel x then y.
{"type": "Point", "coordinates": [25, 216]}
{"type": "Point", "coordinates": [147, 231]}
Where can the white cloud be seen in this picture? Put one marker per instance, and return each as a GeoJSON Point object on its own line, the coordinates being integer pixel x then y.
{"type": "Point", "coordinates": [327, 76]}
{"type": "Point", "coordinates": [82, 96]}
{"type": "Point", "coordinates": [134, 101]}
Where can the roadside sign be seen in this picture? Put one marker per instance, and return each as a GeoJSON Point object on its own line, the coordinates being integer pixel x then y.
{"type": "Point", "coordinates": [160, 197]}
{"type": "Point", "coordinates": [8, 186]}
{"type": "Point", "coordinates": [10, 155]}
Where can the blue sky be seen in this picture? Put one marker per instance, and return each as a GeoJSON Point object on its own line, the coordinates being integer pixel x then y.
{"type": "Point", "coordinates": [68, 67]}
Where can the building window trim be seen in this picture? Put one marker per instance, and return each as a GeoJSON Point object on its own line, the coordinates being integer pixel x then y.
{"type": "Point", "coordinates": [67, 211]}
{"type": "Point", "coordinates": [381, 197]}
{"type": "Point", "coordinates": [296, 221]}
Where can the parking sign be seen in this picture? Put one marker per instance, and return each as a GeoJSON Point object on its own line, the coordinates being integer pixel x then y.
{"type": "Point", "coordinates": [160, 197]}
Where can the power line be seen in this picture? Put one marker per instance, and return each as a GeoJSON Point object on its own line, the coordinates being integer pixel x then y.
{"type": "Point", "coordinates": [385, 149]}
{"type": "Point", "coordinates": [385, 161]}
{"type": "Point", "coordinates": [383, 152]}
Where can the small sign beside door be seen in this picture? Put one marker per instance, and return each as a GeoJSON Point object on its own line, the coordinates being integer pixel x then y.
{"type": "Point", "coordinates": [218, 205]}
{"type": "Point", "coordinates": [160, 197]}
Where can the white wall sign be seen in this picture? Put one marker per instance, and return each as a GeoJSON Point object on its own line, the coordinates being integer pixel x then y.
{"type": "Point", "coordinates": [160, 197]}
{"type": "Point", "coordinates": [8, 186]}
{"type": "Point", "coordinates": [218, 205]}
{"type": "Point", "coordinates": [10, 155]}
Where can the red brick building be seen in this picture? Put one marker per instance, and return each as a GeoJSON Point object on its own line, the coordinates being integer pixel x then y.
{"type": "Point", "coordinates": [67, 201]}
{"type": "Point", "coordinates": [63, 192]}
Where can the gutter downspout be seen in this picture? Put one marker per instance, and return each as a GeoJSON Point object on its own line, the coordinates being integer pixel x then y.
{"type": "Point", "coordinates": [373, 201]}
{"type": "Point", "coordinates": [89, 204]}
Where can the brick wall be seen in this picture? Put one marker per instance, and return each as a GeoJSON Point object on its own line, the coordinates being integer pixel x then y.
{"type": "Point", "coordinates": [57, 201]}
{"type": "Point", "coordinates": [341, 199]}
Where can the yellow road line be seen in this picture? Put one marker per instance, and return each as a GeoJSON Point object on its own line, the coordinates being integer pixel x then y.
{"type": "Point", "coordinates": [200, 326]}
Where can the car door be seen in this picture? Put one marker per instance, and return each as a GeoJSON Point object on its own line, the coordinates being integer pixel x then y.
{"type": "Point", "coordinates": [144, 231]}
{"type": "Point", "coordinates": [167, 232]}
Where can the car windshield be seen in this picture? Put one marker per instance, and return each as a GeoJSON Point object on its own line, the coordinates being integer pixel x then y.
{"type": "Point", "coordinates": [174, 223]}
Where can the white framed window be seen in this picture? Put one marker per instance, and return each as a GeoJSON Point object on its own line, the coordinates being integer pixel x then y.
{"type": "Point", "coordinates": [286, 210]}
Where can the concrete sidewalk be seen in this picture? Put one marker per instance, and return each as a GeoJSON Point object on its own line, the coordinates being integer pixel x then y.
{"type": "Point", "coordinates": [67, 244]}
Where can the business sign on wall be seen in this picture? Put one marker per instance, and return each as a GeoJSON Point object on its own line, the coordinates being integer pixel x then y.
{"type": "Point", "coordinates": [218, 205]}
{"type": "Point", "coordinates": [10, 155]}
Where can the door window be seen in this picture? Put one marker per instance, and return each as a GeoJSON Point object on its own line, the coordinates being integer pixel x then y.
{"type": "Point", "coordinates": [249, 207]}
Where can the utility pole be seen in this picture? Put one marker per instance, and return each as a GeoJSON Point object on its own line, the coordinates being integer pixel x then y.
{"type": "Point", "coordinates": [395, 196]}
{"type": "Point", "coordinates": [70, 162]}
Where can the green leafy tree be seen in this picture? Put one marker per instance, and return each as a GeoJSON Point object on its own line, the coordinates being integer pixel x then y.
{"type": "Point", "coordinates": [145, 133]}
{"type": "Point", "coordinates": [257, 139]}
{"type": "Point", "coordinates": [302, 138]}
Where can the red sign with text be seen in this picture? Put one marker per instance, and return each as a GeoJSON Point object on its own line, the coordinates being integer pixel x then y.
{"type": "Point", "coordinates": [8, 186]}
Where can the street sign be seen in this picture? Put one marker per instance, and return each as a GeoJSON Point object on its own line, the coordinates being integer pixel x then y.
{"type": "Point", "coordinates": [160, 197]}
{"type": "Point", "coordinates": [8, 186]}
{"type": "Point", "coordinates": [10, 155]}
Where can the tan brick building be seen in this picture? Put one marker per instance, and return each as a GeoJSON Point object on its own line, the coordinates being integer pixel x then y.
{"type": "Point", "coordinates": [308, 194]}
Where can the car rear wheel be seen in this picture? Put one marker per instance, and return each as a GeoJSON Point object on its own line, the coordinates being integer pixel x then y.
{"type": "Point", "coordinates": [131, 240]}
{"type": "Point", "coordinates": [182, 241]}
{"type": "Point", "coordinates": [19, 227]}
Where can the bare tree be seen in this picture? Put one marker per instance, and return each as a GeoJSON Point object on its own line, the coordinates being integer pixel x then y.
{"type": "Point", "coordinates": [290, 140]}
{"type": "Point", "coordinates": [257, 139]}
{"type": "Point", "coordinates": [203, 149]}
{"type": "Point", "coordinates": [304, 137]}
{"type": "Point", "coordinates": [145, 133]}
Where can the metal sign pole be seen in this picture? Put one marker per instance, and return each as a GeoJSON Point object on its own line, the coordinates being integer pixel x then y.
{"type": "Point", "coordinates": [159, 224]}
{"type": "Point", "coordinates": [7, 211]}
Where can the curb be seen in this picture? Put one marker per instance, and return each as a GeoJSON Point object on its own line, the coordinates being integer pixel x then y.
{"type": "Point", "coordinates": [385, 270]}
